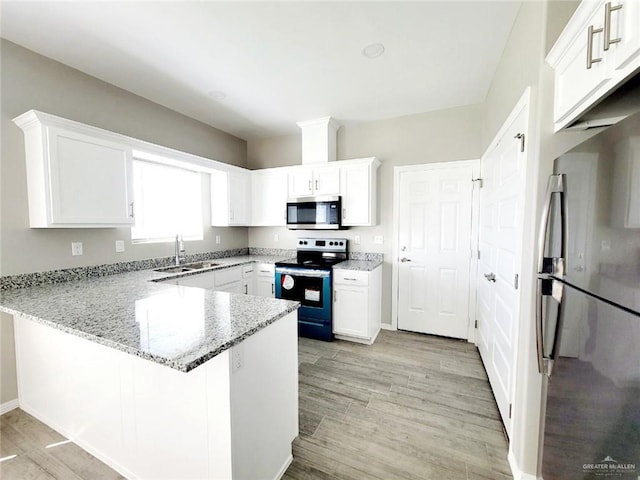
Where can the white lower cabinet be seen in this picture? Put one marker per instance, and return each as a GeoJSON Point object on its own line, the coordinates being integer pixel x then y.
{"type": "Point", "coordinates": [202, 280]}
{"type": "Point", "coordinates": [357, 304]}
{"type": "Point", "coordinates": [248, 279]}
{"type": "Point", "coordinates": [265, 280]}
{"type": "Point", "coordinates": [229, 280]}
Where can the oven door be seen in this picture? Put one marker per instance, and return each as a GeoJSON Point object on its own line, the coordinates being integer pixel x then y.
{"type": "Point", "coordinates": [312, 288]}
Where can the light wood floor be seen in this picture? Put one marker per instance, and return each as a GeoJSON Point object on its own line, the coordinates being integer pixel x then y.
{"type": "Point", "coordinates": [409, 407]}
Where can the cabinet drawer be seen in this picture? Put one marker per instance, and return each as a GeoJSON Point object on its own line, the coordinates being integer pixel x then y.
{"type": "Point", "coordinates": [247, 271]}
{"type": "Point", "coordinates": [265, 270]}
{"type": "Point", "coordinates": [350, 277]}
{"type": "Point", "coordinates": [228, 275]}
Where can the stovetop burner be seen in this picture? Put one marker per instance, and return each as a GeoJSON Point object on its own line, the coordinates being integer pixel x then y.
{"type": "Point", "coordinates": [318, 253]}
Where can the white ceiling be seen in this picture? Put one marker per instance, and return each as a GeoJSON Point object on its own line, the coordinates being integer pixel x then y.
{"type": "Point", "coordinates": [276, 62]}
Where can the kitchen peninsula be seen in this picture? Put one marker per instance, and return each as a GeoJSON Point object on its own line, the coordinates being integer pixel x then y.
{"type": "Point", "coordinates": [160, 380]}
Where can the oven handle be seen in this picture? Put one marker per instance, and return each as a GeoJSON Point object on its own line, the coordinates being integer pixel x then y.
{"type": "Point", "coordinates": [303, 272]}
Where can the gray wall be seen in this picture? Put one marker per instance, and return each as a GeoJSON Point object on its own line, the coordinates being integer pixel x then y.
{"type": "Point", "coordinates": [442, 136]}
{"type": "Point", "coordinates": [31, 81]}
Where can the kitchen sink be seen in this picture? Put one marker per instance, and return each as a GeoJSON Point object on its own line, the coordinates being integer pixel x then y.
{"type": "Point", "coordinates": [189, 267]}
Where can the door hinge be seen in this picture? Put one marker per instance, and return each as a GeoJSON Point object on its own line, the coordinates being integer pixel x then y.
{"type": "Point", "coordinates": [479, 180]}
{"type": "Point", "coordinates": [510, 405]}
{"type": "Point", "coordinates": [476, 324]}
{"type": "Point", "coordinates": [520, 136]}
{"type": "Point", "coordinates": [516, 281]}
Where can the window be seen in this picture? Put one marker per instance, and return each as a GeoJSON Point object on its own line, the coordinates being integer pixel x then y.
{"type": "Point", "coordinates": [167, 201]}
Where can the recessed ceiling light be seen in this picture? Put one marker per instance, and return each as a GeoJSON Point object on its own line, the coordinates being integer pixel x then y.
{"type": "Point", "coordinates": [217, 95]}
{"type": "Point", "coordinates": [373, 51]}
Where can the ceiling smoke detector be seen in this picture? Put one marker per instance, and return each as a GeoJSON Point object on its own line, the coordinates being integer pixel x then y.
{"type": "Point", "coordinates": [373, 50]}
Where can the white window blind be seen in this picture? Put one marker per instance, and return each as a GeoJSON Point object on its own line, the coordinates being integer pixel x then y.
{"type": "Point", "coordinates": [167, 201]}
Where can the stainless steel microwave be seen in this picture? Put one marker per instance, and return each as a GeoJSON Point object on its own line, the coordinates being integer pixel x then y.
{"type": "Point", "coordinates": [314, 213]}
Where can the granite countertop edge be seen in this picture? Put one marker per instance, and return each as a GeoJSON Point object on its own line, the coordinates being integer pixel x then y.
{"type": "Point", "coordinates": [358, 265]}
{"type": "Point", "coordinates": [150, 276]}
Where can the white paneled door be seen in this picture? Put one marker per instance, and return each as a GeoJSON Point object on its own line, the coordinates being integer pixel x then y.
{"type": "Point", "coordinates": [500, 239]}
{"type": "Point", "coordinates": [434, 248]}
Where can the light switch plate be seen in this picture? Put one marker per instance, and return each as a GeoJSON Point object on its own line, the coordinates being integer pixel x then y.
{"type": "Point", "coordinates": [76, 248]}
{"type": "Point", "coordinates": [356, 239]}
{"type": "Point", "coordinates": [119, 246]}
{"type": "Point", "coordinates": [217, 239]}
{"type": "Point", "coordinates": [378, 239]}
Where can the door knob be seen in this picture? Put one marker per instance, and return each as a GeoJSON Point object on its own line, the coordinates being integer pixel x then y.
{"type": "Point", "coordinates": [404, 259]}
{"type": "Point", "coordinates": [490, 276]}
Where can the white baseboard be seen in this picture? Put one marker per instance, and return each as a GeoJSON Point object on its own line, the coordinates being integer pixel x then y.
{"type": "Point", "coordinates": [8, 406]}
{"type": "Point", "coordinates": [284, 468]}
{"type": "Point", "coordinates": [516, 472]}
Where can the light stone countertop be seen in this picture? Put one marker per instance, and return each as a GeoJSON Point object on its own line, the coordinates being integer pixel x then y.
{"type": "Point", "coordinates": [177, 326]}
{"type": "Point", "coordinates": [361, 265]}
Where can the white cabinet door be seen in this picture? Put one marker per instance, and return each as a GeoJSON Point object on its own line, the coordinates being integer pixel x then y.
{"type": "Point", "coordinates": [248, 279]}
{"type": "Point", "coordinates": [304, 181]}
{"type": "Point", "coordinates": [583, 70]}
{"type": "Point", "coordinates": [239, 198]}
{"type": "Point", "coordinates": [357, 304]}
{"type": "Point", "coordinates": [91, 179]}
{"type": "Point", "coordinates": [357, 195]}
{"type": "Point", "coordinates": [350, 310]}
{"type": "Point", "coordinates": [269, 197]}
{"type": "Point", "coordinates": [300, 182]}
{"type": "Point", "coordinates": [625, 26]}
{"type": "Point", "coordinates": [265, 280]}
{"type": "Point", "coordinates": [326, 181]}
{"type": "Point", "coordinates": [230, 198]}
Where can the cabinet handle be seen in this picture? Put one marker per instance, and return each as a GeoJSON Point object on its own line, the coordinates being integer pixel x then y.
{"type": "Point", "coordinates": [344, 213]}
{"type": "Point", "coordinates": [607, 25]}
{"type": "Point", "coordinates": [131, 209]}
{"type": "Point", "coordinates": [310, 187]}
{"type": "Point", "coordinates": [335, 296]}
{"type": "Point", "coordinates": [246, 289]}
{"type": "Point", "coordinates": [272, 289]}
{"type": "Point", "coordinates": [590, 32]}
{"type": "Point", "coordinates": [350, 278]}
{"type": "Point", "coordinates": [316, 184]}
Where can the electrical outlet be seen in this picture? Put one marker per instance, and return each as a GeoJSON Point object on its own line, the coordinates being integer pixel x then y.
{"type": "Point", "coordinates": [237, 357]}
{"type": "Point", "coordinates": [276, 237]}
{"type": "Point", "coordinates": [378, 239]}
{"type": "Point", "coordinates": [605, 245]}
{"type": "Point", "coordinates": [76, 248]}
{"type": "Point", "coordinates": [218, 239]}
{"type": "Point", "coordinates": [119, 246]}
{"type": "Point", "coordinates": [356, 239]}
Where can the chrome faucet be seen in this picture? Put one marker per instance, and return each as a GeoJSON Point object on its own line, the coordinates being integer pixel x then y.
{"type": "Point", "coordinates": [180, 251]}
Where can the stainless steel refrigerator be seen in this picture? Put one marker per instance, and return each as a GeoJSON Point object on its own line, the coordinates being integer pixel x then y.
{"type": "Point", "coordinates": [588, 312]}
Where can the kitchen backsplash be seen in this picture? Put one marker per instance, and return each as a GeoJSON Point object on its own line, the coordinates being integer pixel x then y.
{"type": "Point", "coordinates": [68, 274]}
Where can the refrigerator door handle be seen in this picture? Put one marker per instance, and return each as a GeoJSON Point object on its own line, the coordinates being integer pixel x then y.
{"type": "Point", "coordinates": [545, 267]}
{"type": "Point", "coordinates": [547, 286]}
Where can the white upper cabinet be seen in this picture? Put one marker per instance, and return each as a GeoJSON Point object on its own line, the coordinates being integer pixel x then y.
{"type": "Point", "coordinates": [77, 176]}
{"type": "Point", "coordinates": [231, 198]}
{"type": "Point", "coordinates": [598, 49]}
{"type": "Point", "coordinates": [269, 197]}
{"type": "Point", "coordinates": [358, 180]}
{"type": "Point", "coordinates": [625, 25]}
{"type": "Point", "coordinates": [322, 180]}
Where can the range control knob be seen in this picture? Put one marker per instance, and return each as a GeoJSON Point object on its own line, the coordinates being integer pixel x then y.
{"type": "Point", "coordinates": [341, 243]}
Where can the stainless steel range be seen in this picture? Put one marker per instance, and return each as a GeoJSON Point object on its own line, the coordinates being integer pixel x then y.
{"type": "Point", "coordinates": [308, 279]}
